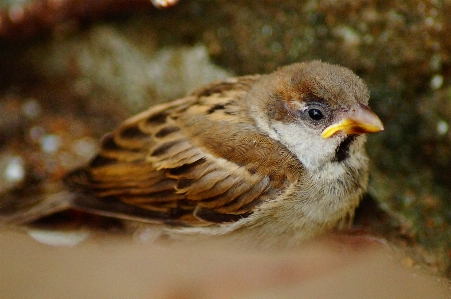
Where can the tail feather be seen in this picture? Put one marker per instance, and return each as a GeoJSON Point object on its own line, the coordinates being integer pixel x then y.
{"type": "Point", "coordinates": [17, 208]}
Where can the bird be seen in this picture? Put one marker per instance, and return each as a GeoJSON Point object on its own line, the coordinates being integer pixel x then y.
{"type": "Point", "coordinates": [273, 159]}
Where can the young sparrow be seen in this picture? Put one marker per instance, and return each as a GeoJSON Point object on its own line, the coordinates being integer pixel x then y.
{"type": "Point", "coordinates": [273, 159]}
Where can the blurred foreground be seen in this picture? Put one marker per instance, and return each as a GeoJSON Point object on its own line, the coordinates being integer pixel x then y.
{"type": "Point", "coordinates": [108, 268]}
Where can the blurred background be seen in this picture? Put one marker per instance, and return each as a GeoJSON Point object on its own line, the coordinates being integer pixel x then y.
{"type": "Point", "coordinates": [72, 70]}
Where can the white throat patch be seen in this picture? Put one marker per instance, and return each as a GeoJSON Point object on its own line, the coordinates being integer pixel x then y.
{"type": "Point", "coordinates": [311, 149]}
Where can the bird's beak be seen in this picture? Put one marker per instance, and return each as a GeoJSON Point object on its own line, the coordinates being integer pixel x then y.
{"type": "Point", "coordinates": [357, 121]}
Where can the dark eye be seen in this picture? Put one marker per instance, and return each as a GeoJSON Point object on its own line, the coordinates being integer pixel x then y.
{"type": "Point", "coordinates": [315, 114]}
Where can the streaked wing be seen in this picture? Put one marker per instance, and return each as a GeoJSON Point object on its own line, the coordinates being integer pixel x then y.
{"type": "Point", "coordinates": [195, 161]}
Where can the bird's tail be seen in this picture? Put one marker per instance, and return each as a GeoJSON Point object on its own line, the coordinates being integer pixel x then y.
{"type": "Point", "coordinates": [22, 206]}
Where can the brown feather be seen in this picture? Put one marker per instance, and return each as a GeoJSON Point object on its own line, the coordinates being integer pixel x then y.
{"type": "Point", "coordinates": [273, 160]}
{"type": "Point", "coordinates": [164, 160]}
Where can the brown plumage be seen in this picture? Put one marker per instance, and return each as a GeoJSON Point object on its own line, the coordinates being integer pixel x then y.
{"type": "Point", "coordinates": [275, 157]}
{"type": "Point", "coordinates": [165, 161]}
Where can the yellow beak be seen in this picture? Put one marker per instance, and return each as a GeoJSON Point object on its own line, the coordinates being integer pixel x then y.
{"type": "Point", "coordinates": [358, 121]}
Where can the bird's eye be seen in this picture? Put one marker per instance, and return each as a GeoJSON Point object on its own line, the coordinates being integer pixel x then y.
{"type": "Point", "coordinates": [315, 114]}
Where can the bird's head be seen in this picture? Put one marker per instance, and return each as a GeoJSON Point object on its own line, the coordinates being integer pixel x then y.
{"type": "Point", "coordinates": [318, 110]}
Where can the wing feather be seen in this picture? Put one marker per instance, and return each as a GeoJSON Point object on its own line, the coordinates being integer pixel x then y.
{"type": "Point", "coordinates": [246, 201]}
{"type": "Point", "coordinates": [226, 197]}
{"type": "Point", "coordinates": [164, 162]}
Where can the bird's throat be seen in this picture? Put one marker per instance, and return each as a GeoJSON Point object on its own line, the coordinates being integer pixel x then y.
{"type": "Point", "coordinates": [342, 152]}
